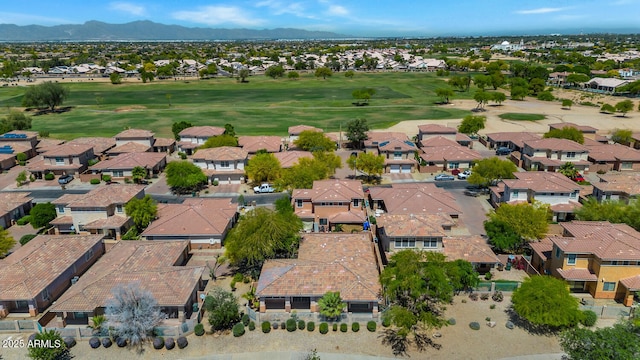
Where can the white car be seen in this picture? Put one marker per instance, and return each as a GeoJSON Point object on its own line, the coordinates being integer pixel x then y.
{"type": "Point", "coordinates": [464, 175]}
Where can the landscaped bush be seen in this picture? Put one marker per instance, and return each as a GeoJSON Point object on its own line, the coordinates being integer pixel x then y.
{"type": "Point", "coordinates": [371, 326]}
{"type": "Point", "coordinates": [283, 325]}
{"type": "Point", "coordinates": [49, 176]}
{"type": "Point", "coordinates": [497, 296]}
{"type": "Point", "coordinates": [245, 319]}
{"type": "Point", "coordinates": [386, 322]}
{"type": "Point", "coordinates": [26, 238]}
{"type": "Point", "coordinates": [121, 342]}
{"type": "Point", "coordinates": [509, 325]}
{"type": "Point", "coordinates": [70, 342]}
{"type": "Point", "coordinates": [311, 326]}
{"type": "Point", "coordinates": [492, 306]}
{"type": "Point", "coordinates": [474, 325]}
{"type": "Point", "coordinates": [291, 325]}
{"type": "Point", "coordinates": [355, 327]}
{"type": "Point", "coordinates": [343, 327]}
{"type": "Point", "coordinates": [158, 343]}
{"type": "Point", "coordinates": [451, 321]}
{"type": "Point", "coordinates": [487, 276]}
{"type": "Point", "coordinates": [473, 296]}
{"type": "Point", "coordinates": [324, 328]}
{"type": "Point", "coordinates": [182, 342]}
{"type": "Point", "coordinates": [94, 342]}
{"type": "Point", "coordinates": [589, 319]}
{"type": "Point", "coordinates": [252, 325]}
{"type": "Point", "coordinates": [169, 344]}
{"type": "Point", "coordinates": [301, 324]}
{"type": "Point", "coordinates": [106, 342]}
{"type": "Point", "coordinates": [335, 327]}
{"type": "Point", "coordinates": [24, 220]}
{"type": "Point", "coordinates": [275, 325]}
{"type": "Point", "coordinates": [182, 155]}
{"type": "Point", "coordinates": [199, 329]}
{"type": "Point", "coordinates": [484, 296]}
{"type": "Point", "coordinates": [94, 181]}
{"type": "Point", "coordinates": [238, 329]}
{"type": "Point", "coordinates": [266, 327]}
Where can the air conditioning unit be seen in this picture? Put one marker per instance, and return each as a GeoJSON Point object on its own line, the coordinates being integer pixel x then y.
{"type": "Point", "coordinates": [74, 280]}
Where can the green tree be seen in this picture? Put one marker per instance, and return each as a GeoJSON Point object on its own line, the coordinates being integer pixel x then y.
{"type": "Point", "coordinates": [331, 305]}
{"type": "Point", "coordinates": [497, 80]}
{"type": "Point", "coordinates": [57, 351]}
{"type": "Point", "coordinates": [219, 141]}
{"type": "Point", "coordinates": [47, 94]}
{"type": "Point", "coordinates": [323, 72]}
{"type": "Point", "coordinates": [613, 211]}
{"type": "Point", "coordinates": [357, 132]}
{"type": "Point", "coordinates": [369, 163]}
{"type": "Point", "coordinates": [489, 170]}
{"type": "Point", "coordinates": [471, 124]}
{"type": "Point", "coordinates": [536, 86]}
{"type": "Point", "coordinates": [482, 81]}
{"type": "Point", "coordinates": [16, 120]}
{"type": "Point", "coordinates": [243, 74]}
{"type": "Point", "coordinates": [184, 177]}
{"type": "Point", "coordinates": [132, 313]}
{"type": "Point", "coordinates": [303, 174]}
{"type": "Point", "coordinates": [138, 173]}
{"type": "Point", "coordinates": [274, 71]}
{"type": "Point", "coordinates": [503, 236]}
{"type": "Point", "coordinates": [546, 96]}
{"type": "Point", "coordinates": [363, 95]}
{"type": "Point", "coordinates": [445, 94]}
{"type": "Point", "coordinates": [349, 74]}
{"type": "Point", "coordinates": [142, 211]}
{"type": "Point", "coordinates": [263, 167]}
{"type": "Point", "coordinates": [310, 140]}
{"type": "Point", "coordinates": [567, 103]}
{"type": "Point", "coordinates": [622, 136]}
{"type": "Point", "coordinates": [567, 132]}
{"type": "Point", "coordinates": [115, 78]}
{"type": "Point", "coordinates": [530, 221]}
{"type": "Point", "coordinates": [624, 107]}
{"type": "Point", "coordinates": [293, 75]}
{"type": "Point", "coordinates": [577, 78]}
{"type": "Point", "coordinates": [42, 214]}
{"type": "Point", "coordinates": [546, 302]}
{"type": "Point", "coordinates": [607, 108]}
{"type": "Point", "coordinates": [568, 169]}
{"type": "Point", "coordinates": [482, 98]}
{"type": "Point", "coordinates": [619, 342]}
{"type": "Point", "coordinates": [177, 127]}
{"type": "Point", "coordinates": [222, 308]}
{"type": "Point", "coordinates": [329, 160]}
{"type": "Point", "coordinates": [518, 92]}
{"type": "Point", "coordinates": [229, 130]}
{"type": "Point", "coordinates": [498, 97]}
{"type": "Point", "coordinates": [462, 275]}
{"type": "Point", "coordinates": [21, 178]}
{"type": "Point", "coordinates": [460, 82]}
{"type": "Point", "coordinates": [7, 242]}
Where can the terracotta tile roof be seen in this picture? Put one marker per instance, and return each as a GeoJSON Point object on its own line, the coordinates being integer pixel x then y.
{"type": "Point", "coordinates": [331, 190]}
{"type": "Point", "coordinates": [517, 138]}
{"type": "Point", "coordinates": [397, 145]}
{"type": "Point", "coordinates": [353, 216]}
{"type": "Point", "coordinates": [436, 129]}
{"type": "Point", "coordinates": [326, 262]}
{"type": "Point", "coordinates": [161, 141]}
{"type": "Point", "coordinates": [577, 274]}
{"type": "Point", "coordinates": [409, 225]}
{"type": "Point", "coordinates": [30, 134]}
{"type": "Point", "coordinates": [613, 152]}
{"type": "Point", "coordinates": [126, 161]}
{"type": "Point", "coordinates": [376, 137]}
{"type": "Point", "coordinates": [188, 145]}
{"type": "Point", "coordinates": [252, 144]}
{"type": "Point", "coordinates": [556, 145]}
{"type": "Point", "coordinates": [68, 149]}
{"type": "Point", "coordinates": [151, 264]}
{"type": "Point", "coordinates": [62, 220]}
{"type": "Point", "coordinates": [102, 196]}
{"type": "Point", "coordinates": [541, 181]}
{"type": "Point", "coordinates": [110, 222]}
{"type": "Point", "coordinates": [449, 153]}
{"type": "Point", "coordinates": [18, 146]}
{"type": "Point", "coordinates": [100, 144]}
{"type": "Point", "coordinates": [297, 129]}
{"type": "Point", "coordinates": [543, 248]}
{"type": "Point", "coordinates": [463, 137]}
{"type": "Point", "coordinates": [134, 134]}
{"type": "Point", "coordinates": [31, 268]}
{"type": "Point", "coordinates": [47, 144]}
{"type": "Point", "coordinates": [569, 207]}
{"type": "Point", "coordinates": [473, 249]}
{"type": "Point", "coordinates": [199, 216]}
{"type": "Point", "coordinates": [438, 141]}
{"type": "Point", "coordinates": [201, 131]}
{"type": "Point", "coordinates": [628, 183]}
{"type": "Point", "coordinates": [223, 153]}
{"type": "Point", "coordinates": [39, 165]}
{"type": "Point", "coordinates": [582, 128]}
{"type": "Point", "coordinates": [602, 239]}
{"type": "Point", "coordinates": [631, 283]}
{"type": "Point", "coordinates": [10, 201]}
{"type": "Point", "coordinates": [416, 198]}
{"type": "Point", "coordinates": [130, 147]}
{"type": "Point", "coordinates": [289, 158]}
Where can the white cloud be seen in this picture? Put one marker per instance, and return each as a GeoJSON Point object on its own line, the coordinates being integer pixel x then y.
{"type": "Point", "coordinates": [539, 11]}
{"type": "Point", "coordinates": [216, 15]}
{"type": "Point", "coordinates": [337, 10]}
{"type": "Point", "coordinates": [30, 19]}
{"type": "Point", "coordinates": [129, 8]}
{"type": "Point", "coordinates": [280, 7]}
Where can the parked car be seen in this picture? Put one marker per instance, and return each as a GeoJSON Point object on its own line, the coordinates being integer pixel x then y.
{"type": "Point", "coordinates": [578, 178]}
{"type": "Point", "coordinates": [444, 177]}
{"type": "Point", "coordinates": [472, 193]}
{"type": "Point", "coordinates": [264, 188]}
{"type": "Point", "coordinates": [65, 179]}
{"type": "Point", "coordinates": [503, 151]}
{"type": "Point", "coordinates": [465, 174]}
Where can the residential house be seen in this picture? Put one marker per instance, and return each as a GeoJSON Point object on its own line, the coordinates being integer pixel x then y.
{"type": "Point", "coordinates": [7, 161]}
{"type": "Point", "coordinates": [340, 262]}
{"type": "Point", "coordinates": [144, 137]}
{"type": "Point", "coordinates": [100, 211]}
{"type": "Point", "coordinates": [447, 157]}
{"type": "Point", "coordinates": [158, 267]}
{"type": "Point", "coordinates": [598, 258]}
{"type": "Point", "coordinates": [413, 198]}
{"type": "Point", "coordinates": [193, 137]}
{"type": "Point", "coordinates": [604, 85]}
{"type": "Point", "coordinates": [607, 157]}
{"type": "Point", "coordinates": [430, 130]}
{"type": "Point", "coordinates": [13, 206]}
{"type": "Point", "coordinates": [47, 144]}
{"type": "Point", "coordinates": [253, 144]}
{"type": "Point", "coordinates": [623, 187]}
{"type": "Point", "coordinates": [399, 155]}
{"type": "Point", "coordinates": [63, 159]}
{"type": "Point", "coordinates": [20, 141]}
{"type": "Point", "coordinates": [121, 166]}
{"type": "Point", "coordinates": [512, 140]}
{"type": "Point", "coordinates": [224, 165]}
{"type": "Point", "coordinates": [101, 145]}
{"type": "Point", "coordinates": [328, 203]}
{"type": "Point", "coordinates": [432, 232]}
{"type": "Point", "coordinates": [374, 138]}
{"type": "Point", "coordinates": [205, 222]}
{"type": "Point", "coordinates": [294, 131]}
{"type": "Point", "coordinates": [550, 154]}
{"type": "Point", "coordinates": [588, 132]}
{"type": "Point", "coordinates": [37, 273]}
{"type": "Point", "coordinates": [164, 145]}
{"type": "Point", "coordinates": [289, 158]}
{"type": "Point", "coordinates": [554, 189]}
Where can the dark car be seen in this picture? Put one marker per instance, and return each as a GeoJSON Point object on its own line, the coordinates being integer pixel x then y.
{"type": "Point", "coordinates": [503, 151]}
{"type": "Point", "coordinates": [472, 193]}
{"type": "Point", "coordinates": [444, 177]}
{"type": "Point", "coordinates": [65, 179]}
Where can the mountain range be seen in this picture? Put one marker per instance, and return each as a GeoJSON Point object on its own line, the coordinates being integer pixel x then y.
{"type": "Point", "coordinates": [149, 31]}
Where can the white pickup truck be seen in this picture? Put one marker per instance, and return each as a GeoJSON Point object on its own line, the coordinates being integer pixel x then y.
{"type": "Point", "coordinates": [264, 188]}
{"type": "Point", "coordinates": [464, 175]}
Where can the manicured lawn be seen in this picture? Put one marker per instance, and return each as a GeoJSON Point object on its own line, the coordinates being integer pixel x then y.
{"type": "Point", "coordinates": [522, 116]}
{"type": "Point", "coordinates": [262, 106]}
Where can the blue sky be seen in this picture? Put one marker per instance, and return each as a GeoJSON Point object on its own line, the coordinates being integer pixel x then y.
{"type": "Point", "coordinates": [353, 17]}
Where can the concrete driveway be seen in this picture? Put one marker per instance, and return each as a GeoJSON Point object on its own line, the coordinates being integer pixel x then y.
{"type": "Point", "coordinates": [474, 211]}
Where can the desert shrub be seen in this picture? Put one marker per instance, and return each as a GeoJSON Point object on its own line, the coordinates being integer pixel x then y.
{"type": "Point", "coordinates": [266, 327]}
{"type": "Point", "coordinates": [94, 181]}
{"type": "Point", "coordinates": [94, 342]}
{"type": "Point", "coordinates": [106, 178]}
{"type": "Point", "coordinates": [169, 344]}
{"type": "Point", "coordinates": [509, 325]}
{"type": "Point", "coordinates": [484, 296]}
{"type": "Point", "coordinates": [473, 296]}
{"type": "Point", "coordinates": [238, 277]}
{"type": "Point", "coordinates": [335, 327]}
{"type": "Point", "coordinates": [371, 326]}
{"type": "Point", "coordinates": [589, 318]}
{"type": "Point", "coordinates": [464, 301]}
{"type": "Point", "coordinates": [487, 276]}
{"type": "Point", "coordinates": [121, 342]}
{"type": "Point", "coordinates": [497, 296]}
{"type": "Point", "coordinates": [245, 319]}
{"type": "Point", "coordinates": [238, 329]}
{"type": "Point", "coordinates": [355, 327]}
{"type": "Point", "coordinates": [215, 183]}
{"type": "Point", "coordinates": [343, 327]}
{"type": "Point", "coordinates": [199, 329]}
{"type": "Point", "coordinates": [182, 342]}
{"type": "Point", "coordinates": [275, 325]}
{"type": "Point", "coordinates": [600, 172]}
{"type": "Point", "coordinates": [311, 326]}
{"type": "Point", "coordinates": [324, 328]}
{"type": "Point", "coordinates": [492, 306]}
{"type": "Point", "coordinates": [158, 343]}
{"type": "Point", "coordinates": [26, 238]}
{"type": "Point", "coordinates": [182, 155]}
{"type": "Point", "coordinates": [301, 324]}
{"type": "Point", "coordinates": [106, 342]}
{"type": "Point", "coordinates": [451, 321]}
{"type": "Point", "coordinates": [70, 342]}
{"type": "Point", "coordinates": [24, 220]}
{"type": "Point", "coordinates": [474, 325]}
{"type": "Point", "coordinates": [252, 325]}
{"type": "Point", "coordinates": [49, 176]}
{"type": "Point", "coordinates": [283, 325]}
{"type": "Point", "coordinates": [487, 319]}
{"type": "Point", "coordinates": [386, 322]}
{"type": "Point", "coordinates": [291, 325]}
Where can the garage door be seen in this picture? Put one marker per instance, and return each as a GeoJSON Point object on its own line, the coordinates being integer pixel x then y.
{"type": "Point", "coordinates": [406, 169]}
{"type": "Point", "coordinates": [395, 169]}
{"type": "Point", "coordinates": [274, 304]}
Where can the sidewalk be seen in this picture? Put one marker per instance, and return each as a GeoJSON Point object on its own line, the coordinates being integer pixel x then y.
{"type": "Point", "coordinates": [294, 355]}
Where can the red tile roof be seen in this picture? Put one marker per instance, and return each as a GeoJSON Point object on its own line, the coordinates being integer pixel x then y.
{"type": "Point", "coordinates": [438, 141]}
{"type": "Point", "coordinates": [449, 153]}
{"type": "Point", "coordinates": [542, 181]}
{"type": "Point", "coordinates": [252, 144]}
{"type": "Point", "coordinates": [517, 138]}
{"type": "Point", "coordinates": [416, 198]}
{"type": "Point", "coordinates": [628, 183]}
{"type": "Point", "coordinates": [223, 153]}
{"type": "Point", "coordinates": [556, 145]}
{"type": "Point", "coordinates": [100, 144]}
{"type": "Point", "coordinates": [613, 152]}
{"type": "Point", "coordinates": [436, 129]}
{"type": "Point", "coordinates": [10, 201]}
{"type": "Point", "coordinates": [134, 134]}
{"type": "Point", "coordinates": [577, 275]}
{"type": "Point", "coordinates": [102, 196]}
{"type": "Point", "coordinates": [68, 149]}
{"type": "Point", "coordinates": [414, 225]}
{"type": "Point", "coordinates": [473, 249]}
{"type": "Point", "coordinates": [331, 190]}
{"type": "Point", "coordinates": [200, 216]}
{"type": "Point", "coordinates": [631, 283]}
{"type": "Point", "coordinates": [297, 129]}
{"type": "Point", "coordinates": [130, 147]}
{"type": "Point", "coordinates": [201, 131]}
{"type": "Point", "coordinates": [602, 239]}
{"type": "Point", "coordinates": [289, 158]}
{"type": "Point", "coordinates": [127, 161]}
{"type": "Point", "coordinates": [543, 248]}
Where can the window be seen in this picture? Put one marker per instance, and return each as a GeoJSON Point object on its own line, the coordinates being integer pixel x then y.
{"type": "Point", "coordinates": [573, 194]}
{"type": "Point", "coordinates": [557, 252]}
{"type": "Point", "coordinates": [324, 221]}
{"type": "Point", "coordinates": [397, 155]}
{"type": "Point", "coordinates": [454, 165]}
{"type": "Point", "coordinates": [88, 255]}
{"type": "Point", "coordinates": [430, 243]}
{"type": "Point", "coordinates": [571, 154]}
{"type": "Point", "coordinates": [45, 295]}
{"type": "Point", "coordinates": [224, 164]}
{"type": "Point", "coordinates": [61, 209]}
{"type": "Point", "coordinates": [515, 194]}
{"type": "Point", "coordinates": [609, 286]}
{"type": "Point", "coordinates": [356, 202]}
{"type": "Point", "coordinates": [118, 173]}
{"type": "Point", "coordinates": [119, 208]}
{"type": "Point", "coordinates": [59, 161]}
{"type": "Point", "coordinates": [405, 243]}
{"type": "Point", "coordinates": [626, 165]}
{"type": "Point", "coordinates": [299, 203]}
{"type": "Point", "coordinates": [571, 259]}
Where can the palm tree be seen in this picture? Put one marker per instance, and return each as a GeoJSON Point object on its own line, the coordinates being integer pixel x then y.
{"type": "Point", "coordinates": [331, 305]}
{"type": "Point", "coordinates": [568, 169]}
